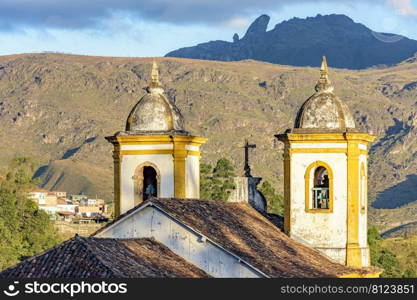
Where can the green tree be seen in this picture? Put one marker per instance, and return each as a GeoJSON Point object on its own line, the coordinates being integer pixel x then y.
{"type": "Point", "coordinates": [205, 181]}
{"type": "Point", "coordinates": [410, 273]}
{"type": "Point", "coordinates": [217, 183]}
{"type": "Point", "coordinates": [275, 202]}
{"type": "Point", "coordinates": [224, 169]}
{"type": "Point", "coordinates": [25, 230]}
{"type": "Point", "coordinates": [382, 257]}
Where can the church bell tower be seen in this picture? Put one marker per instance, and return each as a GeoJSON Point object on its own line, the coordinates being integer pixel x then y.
{"type": "Point", "coordinates": [154, 156]}
{"type": "Point", "coordinates": [325, 177]}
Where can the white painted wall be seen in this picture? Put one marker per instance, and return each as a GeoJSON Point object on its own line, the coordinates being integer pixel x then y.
{"type": "Point", "coordinates": [192, 177]}
{"type": "Point", "coordinates": [327, 232]}
{"type": "Point", "coordinates": [323, 231]}
{"type": "Point", "coordinates": [363, 217]}
{"type": "Point", "coordinates": [165, 164]}
{"type": "Point", "coordinates": [150, 222]}
{"type": "Point", "coordinates": [39, 197]}
{"type": "Point", "coordinates": [318, 145]}
{"type": "Point", "coordinates": [147, 147]}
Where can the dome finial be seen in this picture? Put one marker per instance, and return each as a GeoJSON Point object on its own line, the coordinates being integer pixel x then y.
{"type": "Point", "coordinates": [155, 72]}
{"type": "Point", "coordinates": [324, 84]}
{"type": "Point", "coordinates": [155, 84]}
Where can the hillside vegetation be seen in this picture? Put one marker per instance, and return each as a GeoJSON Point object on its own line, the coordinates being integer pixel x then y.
{"type": "Point", "coordinates": [25, 230]}
{"type": "Point", "coordinates": [405, 253]}
{"type": "Point", "coordinates": [58, 109]}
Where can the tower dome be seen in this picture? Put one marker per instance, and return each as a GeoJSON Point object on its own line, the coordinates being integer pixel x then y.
{"type": "Point", "coordinates": [324, 110]}
{"type": "Point", "coordinates": [154, 113]}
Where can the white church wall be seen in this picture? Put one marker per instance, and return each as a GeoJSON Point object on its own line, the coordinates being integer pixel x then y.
{"type": "Point", "coordinates": [192, 148]}
{"type": "Point", "coordinates": [363, 226]}
{"type": "Point", "coordinates": [324, 231]}
{"type": "Point", "coordinates": [192, 177]}
{"type": "Point", "coordinates": [165, 164]}
{"type": "Point", "coordinates": [147, 147]}
{"type": "Point", "coordinates": [318, 145]}
{"type": "Point", "coordinates": [206, 255]}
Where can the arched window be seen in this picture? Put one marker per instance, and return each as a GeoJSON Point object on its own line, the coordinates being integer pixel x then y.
{"type": "Point", "coordinates": [147, 182]}
{"type": "Point", "coordinates": [319, 188]}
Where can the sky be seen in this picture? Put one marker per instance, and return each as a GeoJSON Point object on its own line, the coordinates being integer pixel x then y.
{"type": "Point", "coordinates": [151, 28]}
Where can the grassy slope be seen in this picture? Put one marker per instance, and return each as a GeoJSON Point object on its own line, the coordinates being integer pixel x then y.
{"type": "Point", "coordinates": [405, 250]}
{"type": "Point", "coordinates": [59, 108]}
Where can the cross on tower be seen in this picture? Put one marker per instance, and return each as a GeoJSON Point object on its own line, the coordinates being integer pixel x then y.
{"type": "Point", "coordinates": [247, 167]}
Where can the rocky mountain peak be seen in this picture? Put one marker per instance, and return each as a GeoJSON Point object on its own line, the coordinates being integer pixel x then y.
{"type": "Point", "coordinates": [258, 26]}
{"type": "Point", "coordinates": [302, 42]}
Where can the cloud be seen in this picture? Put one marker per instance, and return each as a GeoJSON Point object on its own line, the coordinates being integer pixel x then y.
{"type": "Point", "coordinates": [237, 22]}
{"type": "Point", "coordinates": [403, 7]}
{"type": "Point", "coordinates": [92, 14]}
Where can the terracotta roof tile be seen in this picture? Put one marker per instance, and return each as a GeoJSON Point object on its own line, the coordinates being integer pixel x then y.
{"type": "Point", "coordinates": [105, 258]}
{"type": "Point", "coordinates": [254, 237]}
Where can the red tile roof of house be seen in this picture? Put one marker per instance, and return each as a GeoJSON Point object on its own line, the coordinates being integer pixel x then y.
{"type": "Point", "coordinates": [38, 191]}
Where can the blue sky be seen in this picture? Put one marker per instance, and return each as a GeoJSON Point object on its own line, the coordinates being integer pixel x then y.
{"type": "Point", "coordinates": [155, 27]}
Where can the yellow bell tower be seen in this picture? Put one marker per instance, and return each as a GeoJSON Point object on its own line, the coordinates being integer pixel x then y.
{"type": "Point", "coordinates": [154, 156]}
{"type": "Point", "coordinates": [325, 177]}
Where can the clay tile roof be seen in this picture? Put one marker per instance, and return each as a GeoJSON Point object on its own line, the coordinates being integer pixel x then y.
{"type": "Point", "coordinates": [105, 258]}
{"type": "Point", "coordinates": [65, 213]}
{"type": "Point", "coordinates": [254, 237]}
{"type": "Point", "coordinates": [38, 191]}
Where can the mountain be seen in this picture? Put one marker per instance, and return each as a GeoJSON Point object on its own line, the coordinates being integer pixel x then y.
{"type": "Point", "coordinates": [58, 108]}
{"type": "Point", "coordinates": [302, 42]}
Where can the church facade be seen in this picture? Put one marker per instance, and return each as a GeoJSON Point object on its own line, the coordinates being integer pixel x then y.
{"type": "Point", "coordinates": [163, 229]}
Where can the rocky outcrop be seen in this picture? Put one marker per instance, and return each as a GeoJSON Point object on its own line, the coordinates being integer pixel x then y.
{"type": "Point", "coordinates": [302, 42]}
{"type": "Point", "coordinates": [235, 38]}
{"type": "Point", "coordinates": [258, 27]}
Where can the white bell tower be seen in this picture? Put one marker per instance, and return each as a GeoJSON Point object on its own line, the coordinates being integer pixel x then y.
{"type": "Point", "coordinates": [325, 177]}
{"type": "Point", "coordinates": [155, 156]}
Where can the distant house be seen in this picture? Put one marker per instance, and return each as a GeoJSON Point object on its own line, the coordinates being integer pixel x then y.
{"type": "Point", "coordinates": [90, 209]}
{"type": "Point", "coordinates": [51, 199]}
{"type": "Point", "coordinates": [92, 202]}
{"type": "Point", "coordinates": [52, 205]}
{"type": "Point", "coordinates": [78, 197]}
{"type": "Point", "coordinates": [80, 208]}
{"type": "Point", "coordinates": [59, 194]}
{"type": "Point", "coordinates": [67, 207]}
{"type": "Point", "coordinates": [39, 196]}
{"type": "Point", "coordinates": [65, 215]}
{"type": "Point", "coordinates": [49, 209]}
{"type": "Point", "coordinates": [88, 206]}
